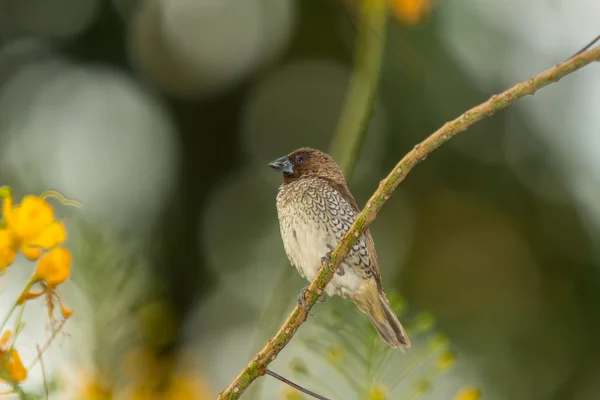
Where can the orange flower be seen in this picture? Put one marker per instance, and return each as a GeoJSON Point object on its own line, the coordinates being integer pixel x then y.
{"type": "Point", "coordinates": [7, 251]}
{"type": "Point", "coordinates": [411, 12]}
{"type": "Point", "coordinates": [12, 364]}
{"type": "Point", "coordinates": [31, 227]}
{"type": "Point", "coordinates": [10, 361]}
{"type": "Point", "coordinates": [54, 267]}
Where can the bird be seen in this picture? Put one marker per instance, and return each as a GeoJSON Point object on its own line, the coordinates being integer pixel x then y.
{"type": "Point", "coordinates": [315, 210]}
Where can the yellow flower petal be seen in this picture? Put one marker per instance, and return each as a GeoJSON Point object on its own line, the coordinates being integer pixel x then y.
{"type": "Point", "coordinates": [32, 253]}
{"type": "Point", "coordinates": [50, 236]}
{"type": "Point", "coordinates": [469, 393]}
{"type": "Point", "coordinates": [7, 207]}
{"type": "Point", "coordinates": [54, 267]}
{"type": "Point", "coordinates": [377, 393]}
{"type": "Point", "coordinates": [446, 361]}
{"type": "Point", "coordinates": [30, 218]}
{"type": "Point", "coordinates": [7, 250]}
{"type": "Point", "coordinates": [15, 367]}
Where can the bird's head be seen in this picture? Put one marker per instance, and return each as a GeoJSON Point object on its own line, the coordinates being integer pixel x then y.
{"type": "Point", "coordinates": [306, 162]}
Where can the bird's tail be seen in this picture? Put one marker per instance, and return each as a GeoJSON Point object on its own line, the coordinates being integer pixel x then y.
{"type": "Point", "coordinates": [383, 318]}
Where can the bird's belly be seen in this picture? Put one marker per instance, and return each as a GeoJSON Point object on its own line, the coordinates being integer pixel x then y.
{"type": "Point", "coordinates": [305, 245]}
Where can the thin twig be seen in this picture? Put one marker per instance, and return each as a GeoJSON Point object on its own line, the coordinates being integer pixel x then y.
{"type": "Point", "coordinates": [259, 363]}
{"type": "Point", "coordinates": [46, 392]}
{"type": "Point", "coordinates": [48, 343]}
{"type": "Point", "coordinates": [295, 386]}
{"type": "Point", "coordinates": [587, 46]}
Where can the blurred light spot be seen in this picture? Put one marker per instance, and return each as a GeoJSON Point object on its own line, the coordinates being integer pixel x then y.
{"type": "Point", "coordinates": [20, 90]}
{"type": "Point", "coordinates": [96, 136]}
{"type": "Point", "coordinates": [212, 44]}
{"type": "Point", "coordinates": [154, 59]}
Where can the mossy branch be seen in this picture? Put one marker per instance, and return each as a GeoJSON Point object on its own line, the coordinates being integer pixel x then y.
{"type": "Point", "coordinates": [259, 363]}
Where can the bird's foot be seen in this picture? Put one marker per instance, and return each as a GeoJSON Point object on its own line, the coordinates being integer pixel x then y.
{"type": "Point", "coordinates": [302, 301]}
{"type": "Point", "coordinates": [326, 259]}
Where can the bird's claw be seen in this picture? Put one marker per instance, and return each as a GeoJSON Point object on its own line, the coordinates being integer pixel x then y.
{"type": "Point", "coordinates": [326, 259]}
{"type": "Point", "coordinates": [302, 302]}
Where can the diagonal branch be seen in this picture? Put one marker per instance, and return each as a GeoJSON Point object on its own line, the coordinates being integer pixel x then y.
{"type": "Point", "coordinates": [259, 363]}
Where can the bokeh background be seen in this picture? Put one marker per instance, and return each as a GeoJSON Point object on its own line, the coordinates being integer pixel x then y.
{"type": "Point", "coordinates": [160, 117]}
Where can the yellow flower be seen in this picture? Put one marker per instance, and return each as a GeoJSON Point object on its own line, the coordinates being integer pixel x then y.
{"type": "Point", "coordinates": [7, 253]}
{"type": "Point", "coordinates": [446, 361]}
{"type": "Point", "coordinates": [469, 393]}
{"type": "Point", "coordinates": [10, 361]}
{"type": "Point", "coordinates": [30, 227]}
{"type": "Point", "coordinates": [54, 267]}
{"type": "Point", "coordinates": [411, 12]}
{"type": "Point", "coordinates": [377, 393]}
{"type": "Point", "coordinates": [65, 311]}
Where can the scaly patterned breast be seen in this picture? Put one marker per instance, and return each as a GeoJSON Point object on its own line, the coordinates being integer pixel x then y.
{"type": "Point", "coordinates": [313, 218]}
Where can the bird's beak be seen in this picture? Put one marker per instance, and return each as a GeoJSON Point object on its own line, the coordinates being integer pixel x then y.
{"type": "Point", "coordinates": [283, 165]}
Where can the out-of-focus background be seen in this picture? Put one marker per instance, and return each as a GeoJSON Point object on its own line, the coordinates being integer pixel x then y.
{"type": "Point", "coordinates": [160, 117]}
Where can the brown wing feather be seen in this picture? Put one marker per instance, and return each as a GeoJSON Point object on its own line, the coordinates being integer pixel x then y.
{"type": "Point", "coordinates": [343, 190]}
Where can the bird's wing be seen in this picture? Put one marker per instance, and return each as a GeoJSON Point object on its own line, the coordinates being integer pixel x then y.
{"type": "Point", "coordinates": [344, 192]}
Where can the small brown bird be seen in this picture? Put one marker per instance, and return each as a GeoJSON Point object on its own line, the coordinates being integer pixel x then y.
{"type": "Point", "coordinates": [315, 210]}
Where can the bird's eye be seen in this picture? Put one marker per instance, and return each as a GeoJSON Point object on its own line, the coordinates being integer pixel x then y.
{"type": "Point", "coordinates": [299, 159]}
